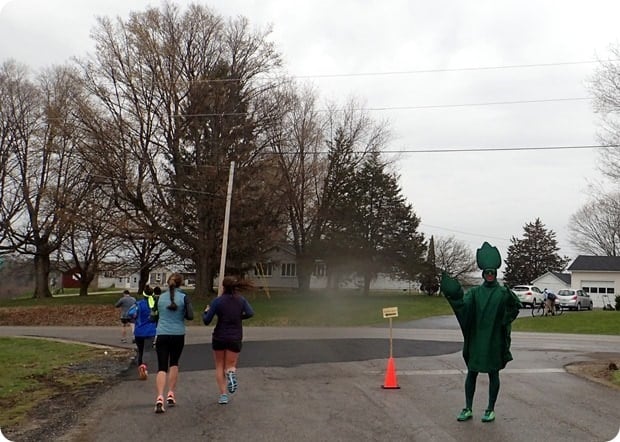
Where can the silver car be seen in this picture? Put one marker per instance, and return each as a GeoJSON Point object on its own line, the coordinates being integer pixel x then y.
{"type": "Point", "coordinates": [574, 299]}
{"type": "Point", "coordinates": [529, 295]}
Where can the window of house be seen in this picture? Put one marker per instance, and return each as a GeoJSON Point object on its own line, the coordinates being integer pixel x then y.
{"type": "Point", "coordinates": [320, 269]}
{"type": "Point", "coordinates": [586, 289]}
{"type": "Point", "coordinates": [289, 269]}
{"type": "Point", "coordinates": [610, 290]}
{"type": "Point", "coordinates": [263, 269]}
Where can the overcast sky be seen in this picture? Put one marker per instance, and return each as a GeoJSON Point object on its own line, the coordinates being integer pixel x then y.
{"type": "Point", "coordinates": [446, 75]}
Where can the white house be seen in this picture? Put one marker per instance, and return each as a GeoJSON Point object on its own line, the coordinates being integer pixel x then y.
{"type": "Point", "coordinates": [553, 281]}
{"type": "Point", "coordinates": [597, 275]}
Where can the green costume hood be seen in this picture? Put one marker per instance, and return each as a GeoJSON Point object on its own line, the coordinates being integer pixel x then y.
{"type": "Point", "coordinates": [488, 260]}
{"type": "Point", "coordinates": [488, 257]}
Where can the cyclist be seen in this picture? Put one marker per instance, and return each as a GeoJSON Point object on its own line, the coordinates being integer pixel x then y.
{"type": "Point", "coordinates": [549, 298]}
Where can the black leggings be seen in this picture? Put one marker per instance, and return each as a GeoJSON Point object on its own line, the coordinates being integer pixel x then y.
{"type": "Point", "coordinates": [470, 388]}
{"type": "Point", "coordinates": [169, 349]}
{"type": "Point", "coordinates": [140, 344]}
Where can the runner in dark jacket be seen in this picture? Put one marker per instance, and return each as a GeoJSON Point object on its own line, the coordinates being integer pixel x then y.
{"type": "Point", "coordinates": [231, 309]}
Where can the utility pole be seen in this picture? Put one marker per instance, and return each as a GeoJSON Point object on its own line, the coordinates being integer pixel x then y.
{"type": "Point", "coordinates": [231, 174]}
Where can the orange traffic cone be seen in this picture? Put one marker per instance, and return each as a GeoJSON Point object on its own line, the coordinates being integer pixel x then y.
{"type": "Point", "coordinates": [390, 376]}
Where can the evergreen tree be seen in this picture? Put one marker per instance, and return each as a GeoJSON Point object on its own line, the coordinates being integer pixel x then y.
{"type": "Point", "coordinates": [533, 255]}
{"type": "Point", "coordinates": [429, 281]}
{"type": "Point", "coordinates": [374, 227]}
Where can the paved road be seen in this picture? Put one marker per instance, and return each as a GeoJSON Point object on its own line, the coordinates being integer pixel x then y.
{"type": "Point", "coordinates": [324, 384]}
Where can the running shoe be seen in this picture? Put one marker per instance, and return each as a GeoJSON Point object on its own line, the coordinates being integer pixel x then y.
{"type": "Point", "coordinates": [159, 405]}
{"type": "Point", "coordinates": [465, 414]}
{"type": "Point", "coordinates": [489, 416]}
{"type": "Point", "coordinates": [143, 373]}
{"type": "Point", "coordinates": [223, 400]}
{"type": "Point", "coordinates": [170, 400]}
{"type": "Point", "coordinates": [232, 381]}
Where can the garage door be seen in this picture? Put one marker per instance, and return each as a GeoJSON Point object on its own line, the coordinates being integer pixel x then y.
{"type": "Point", "coordinates": [602, 287]}
{"type": "Point", "coordinates": [599, 289]}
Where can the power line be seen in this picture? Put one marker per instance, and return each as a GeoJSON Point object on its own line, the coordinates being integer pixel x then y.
{"type": "Point", "coordinates": [464, 69]}
{"type": "Point", "coordinates": [489, 103]}
{"type": "Point", "coordinates": [498, 149]}
{"type": "Point", "coordinates": [465, 233]}
{"type": "Point", "coordinates": [463, 149]}
{"type": "Point", "coordinates": [418, 107]}
{"type": "Point", "coordinates": [283, 78]}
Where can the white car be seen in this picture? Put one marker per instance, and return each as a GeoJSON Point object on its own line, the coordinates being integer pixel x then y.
{"type": "Point", "coordinates": [529, 295]}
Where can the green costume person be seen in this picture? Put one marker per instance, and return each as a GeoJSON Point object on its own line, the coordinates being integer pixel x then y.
{"type": "Point", "coordinates": [484, 314]}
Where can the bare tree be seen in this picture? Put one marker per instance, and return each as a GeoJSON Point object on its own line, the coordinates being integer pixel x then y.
{"type": "Point", "coordinates": [297, 143]}
{"type": "Point", "coordinates": [605, 86]}
{"type": "Point", "coordinates": [42, 175]}
{"type": "Point", "coordinates": [595, 228]}
{"type": "Point", "coordinates": [177, 98]}
{"type": "Point", "coordinates": [317, 155]}
{"type": "Point", "coordinates": [454, 257]}
{"type": "Point", "coordinates": [91, 237]}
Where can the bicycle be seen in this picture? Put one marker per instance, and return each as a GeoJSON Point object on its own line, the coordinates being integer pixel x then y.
{"type": "Point", "coordinates": [539, 310]}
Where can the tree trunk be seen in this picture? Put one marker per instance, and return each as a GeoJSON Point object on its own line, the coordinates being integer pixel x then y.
{"type": "Point", "coordinates": [145, 272]}
{"type": "Point", "coordinates": [304, 273]}
{"type": "Point", "coordinates": [204, 275]}
{"type": "Point", "coordinates": [83, 288]}
{"type": "Point", "coordinates": [41, 275]}
{"type": "Point", "coordinates": [366, 287]}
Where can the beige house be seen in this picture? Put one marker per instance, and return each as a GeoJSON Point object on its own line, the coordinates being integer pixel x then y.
{"type": "Point", "coordinates": [597, 275]}
{"type": "Point", "coordinates": [279, 270]}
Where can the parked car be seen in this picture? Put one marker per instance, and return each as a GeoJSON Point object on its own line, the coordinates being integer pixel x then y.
{"type": "Point", "coordinates": [529, 295]}
{"type": "Point", "coordinates": [574, 299]}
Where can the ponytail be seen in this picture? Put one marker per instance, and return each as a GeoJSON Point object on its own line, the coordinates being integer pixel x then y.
{"type": "Point", "coordinates": [174, 281]}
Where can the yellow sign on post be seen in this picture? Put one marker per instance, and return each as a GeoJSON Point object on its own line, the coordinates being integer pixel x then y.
{"type": "Point", "coordinates": [390, 312]}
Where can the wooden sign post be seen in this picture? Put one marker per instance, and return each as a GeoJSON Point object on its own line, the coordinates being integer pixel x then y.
{"type": "Point", "coordinates": [390, 381]}
{"type": "Point", "coordinates": [389, 313]}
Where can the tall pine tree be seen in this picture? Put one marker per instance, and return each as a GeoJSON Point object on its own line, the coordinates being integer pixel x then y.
{"type": "Point", "coordinates": [533, 255]}
{"type": "Point", "coordinates": [429, 280]}
{"type": "Point", "coordinates": [374, 227]}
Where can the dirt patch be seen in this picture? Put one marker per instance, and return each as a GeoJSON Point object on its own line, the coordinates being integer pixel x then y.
{"type": "Point", "coordinates": [600, 369]}
{"type": "Point", "coordinates": [55, 416]}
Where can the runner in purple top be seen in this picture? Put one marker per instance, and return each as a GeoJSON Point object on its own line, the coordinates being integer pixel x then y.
{"type": "Point", "coordinates": [231, 309]}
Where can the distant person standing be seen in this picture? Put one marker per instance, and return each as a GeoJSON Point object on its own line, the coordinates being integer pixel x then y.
{"type": "Point", "coordinates": [144, 331]}
{"type": "Point", "coordinates": [230, 308]}
{"type": "Point", "coordinates": [125, 303]}
{"type": "Point", "coordinates": [173, 307]}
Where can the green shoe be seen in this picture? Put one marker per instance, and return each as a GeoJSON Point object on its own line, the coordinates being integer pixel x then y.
{"type": "Point", "coordinates": [466, 414]}
{"type": "Point", "coordinates": [489, 416]}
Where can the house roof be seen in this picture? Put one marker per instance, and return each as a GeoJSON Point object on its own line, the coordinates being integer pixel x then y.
{"type": "Point", "coordinates": [565, 277]}
{"type": "Point", "coordinates": [596, 263]}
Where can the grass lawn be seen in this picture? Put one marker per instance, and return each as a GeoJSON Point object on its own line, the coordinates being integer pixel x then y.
{"type": "Point", "coordinates": [32, 370]}
{"type": "Point", "coordinates": [598, 322]}
{"type": "Point", "coordinates": [349, 308]}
